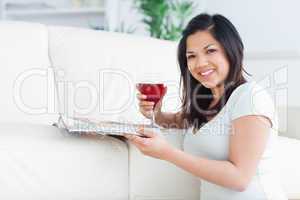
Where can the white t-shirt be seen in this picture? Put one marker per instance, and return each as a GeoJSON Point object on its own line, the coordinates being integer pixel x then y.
{"type": "Point", "coordinates": [213, 139]}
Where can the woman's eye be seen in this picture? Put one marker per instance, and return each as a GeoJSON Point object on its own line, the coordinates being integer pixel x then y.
{"type": "Point", "coordinates": [209, 51]}
{"type": "Point", "coordinates": [190, 56]}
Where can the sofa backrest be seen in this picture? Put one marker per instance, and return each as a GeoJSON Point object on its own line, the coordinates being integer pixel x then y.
{"type": "Point", "coordinates": [97, 71]}
{"type": "Point", "coordinates": [24, 78]}
{"type": "Point", "coordinates": [289, 121]}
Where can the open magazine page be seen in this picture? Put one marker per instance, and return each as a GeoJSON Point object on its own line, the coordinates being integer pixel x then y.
{"type": "Point", "coordinates": [84, 125]}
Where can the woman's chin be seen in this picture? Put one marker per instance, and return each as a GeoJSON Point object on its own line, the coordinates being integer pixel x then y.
{"type": "Point", "coordinates": [209, 85]}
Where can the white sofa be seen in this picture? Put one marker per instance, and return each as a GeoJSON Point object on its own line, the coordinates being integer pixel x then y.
{"type": "Point", "coordinates": [38, 161]}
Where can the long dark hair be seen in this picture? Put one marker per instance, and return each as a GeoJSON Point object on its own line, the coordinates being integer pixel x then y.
{"type": "Point", "coordinates": [196, 98]}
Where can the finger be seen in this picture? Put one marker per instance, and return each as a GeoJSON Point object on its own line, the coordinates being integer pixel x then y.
{"type": "Point", "coordinates": [146, 108]}
{"type": "Point", "coordinates": [137, 86]}
{"type": "Point", "coordinates": [146, 133]}
{"type": "Point", "coordinates": [126, 136]}
{"type": "Point", "coordinates": [134, 143]}
{"type": "Point", "coordinates": [141, 96]}
{"type": "Point", "coordinates": [130, 137]}
{"type": "Point", "coordinates": [146, 103]}
{"type": "Point", "coordinates": [141, 127]}
{"type": "Point", "coordinates": [137, 140]}
{"type": "Point", "coordinates": [158, 105]}
{"type": "Point", "coordinates": [147, 114]}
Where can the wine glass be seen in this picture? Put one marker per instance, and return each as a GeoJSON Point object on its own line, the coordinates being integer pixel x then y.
{"type": "Point", "coordinates": [153, 92]}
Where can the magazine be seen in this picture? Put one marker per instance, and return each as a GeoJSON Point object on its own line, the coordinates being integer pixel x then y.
{"type": "Point", "coordinates": [88, 126]}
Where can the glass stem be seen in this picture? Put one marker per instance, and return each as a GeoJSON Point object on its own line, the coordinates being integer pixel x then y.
{"type": "Point", "coordinates": [153, 119]}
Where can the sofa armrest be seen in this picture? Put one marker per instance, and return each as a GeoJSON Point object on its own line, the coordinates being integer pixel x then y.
{"type": "Point", "coordinates": [156, 179]}
{"type": "Point", "coordinates": [289, 165]}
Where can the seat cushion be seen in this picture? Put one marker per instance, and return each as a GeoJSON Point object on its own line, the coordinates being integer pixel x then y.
{"type": "Point", "coordinates": [40, 162]}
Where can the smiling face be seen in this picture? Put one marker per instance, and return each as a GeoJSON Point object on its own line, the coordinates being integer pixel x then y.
{"type": "Point", "coordinates": [206, 60]}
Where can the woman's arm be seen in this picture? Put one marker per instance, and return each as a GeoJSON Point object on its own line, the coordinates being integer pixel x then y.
{"type": "Point", "coordinates": [247, 142]}
{"type": "Point", "coordinates": [223, 173]}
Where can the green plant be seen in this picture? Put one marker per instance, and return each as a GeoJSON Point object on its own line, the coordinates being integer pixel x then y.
{"type": "Point", "coordinates": [165, 19]}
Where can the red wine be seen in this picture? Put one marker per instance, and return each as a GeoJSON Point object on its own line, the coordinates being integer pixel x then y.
{"type": "Point", "coordinates": [153, 91]}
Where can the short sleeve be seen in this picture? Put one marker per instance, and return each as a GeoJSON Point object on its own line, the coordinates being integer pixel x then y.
{"type": "Point", "coordinates": [252, 99]}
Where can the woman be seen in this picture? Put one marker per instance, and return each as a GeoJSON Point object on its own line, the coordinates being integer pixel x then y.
{"type": "Point", "coordinates": [231, 122]}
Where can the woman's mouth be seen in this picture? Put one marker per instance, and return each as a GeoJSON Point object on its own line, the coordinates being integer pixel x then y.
{"type": "Point", "coordinates": [207, 73]}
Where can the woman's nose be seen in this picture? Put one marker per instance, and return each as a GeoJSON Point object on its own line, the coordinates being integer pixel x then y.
{"type": "Point", "coordinates": [201, 61]}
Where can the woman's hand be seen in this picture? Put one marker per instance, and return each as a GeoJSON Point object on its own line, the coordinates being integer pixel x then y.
{"type": "Point", "coordinates": [146, 107]}
{"type": "Point", "coordinates": [152, 144]}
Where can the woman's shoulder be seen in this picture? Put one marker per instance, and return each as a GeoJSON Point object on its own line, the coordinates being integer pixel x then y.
{"type": "Point", "coordinates": [249, 89]}
{"type": "Point", "coordinates": [251, 98]}
{"type": "Point", "coordinates": [245, 87]}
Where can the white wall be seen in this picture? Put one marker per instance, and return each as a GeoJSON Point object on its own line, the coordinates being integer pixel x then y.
{"type": "Point", "coordinates": [76, 19]}
{"type": "Point", "coordinates": [268, 25]}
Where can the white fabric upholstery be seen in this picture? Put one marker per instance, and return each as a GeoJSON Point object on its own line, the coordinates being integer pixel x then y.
{"type": "Point", "coordinates": [289, 166]}
{"type": "Point", "coordinates": [83, 55]}
{"type": "Point", "coordinates": [24, 82]}
{"type": "Point", "coordinates": [155, 179]}
{"type": "Point", "coordinates": [39, 162]}
{"type": "Point", "coordinates": [289, 122]}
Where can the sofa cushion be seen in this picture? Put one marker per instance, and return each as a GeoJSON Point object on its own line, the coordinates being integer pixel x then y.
{"type": "Point", "coordinates": [25, 80]}
{"type": "Point", "coordinates": [40, 162]}
{"type": "Point", "coordinates": [97, 71]}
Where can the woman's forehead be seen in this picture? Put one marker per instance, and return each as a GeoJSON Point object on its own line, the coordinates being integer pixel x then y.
{"type": "Point", "coordinates": [200, 40]}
